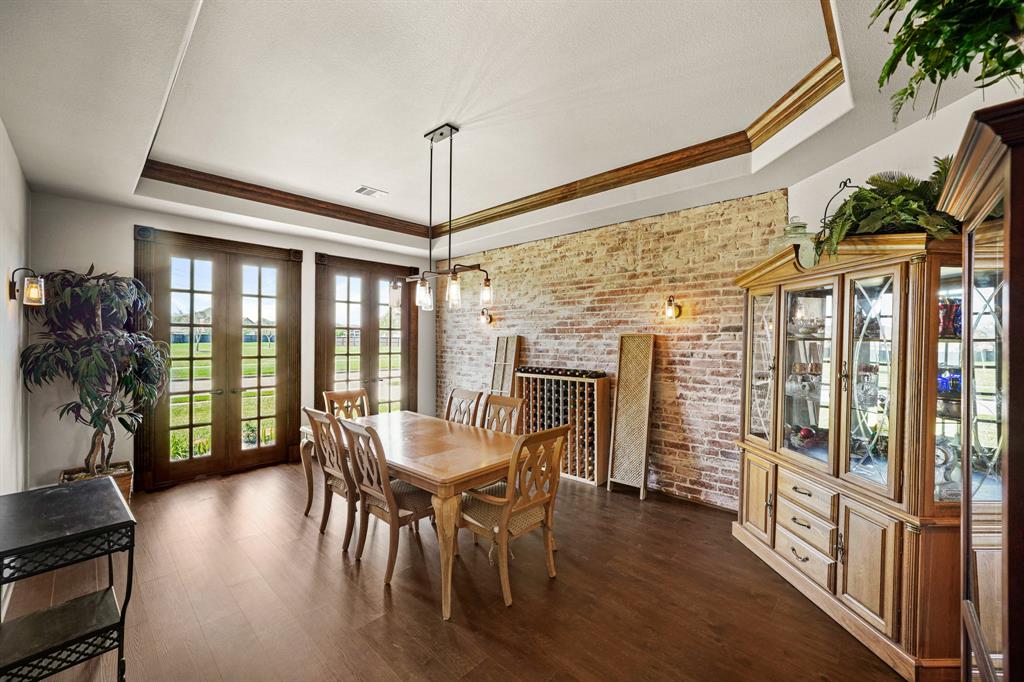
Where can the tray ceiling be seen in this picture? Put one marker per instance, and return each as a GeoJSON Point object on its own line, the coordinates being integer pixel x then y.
{"type": "Point", "coordinates": [318, 99]}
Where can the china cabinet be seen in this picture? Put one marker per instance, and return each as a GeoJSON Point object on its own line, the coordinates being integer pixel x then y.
{"type": "Point", "coordinates": [851, 439]}
{"type": "Point", "coordinates": [986, 192]}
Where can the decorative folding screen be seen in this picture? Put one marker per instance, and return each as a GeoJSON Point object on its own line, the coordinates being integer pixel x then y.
{"type": "Point", "coordinates": [632, 412]}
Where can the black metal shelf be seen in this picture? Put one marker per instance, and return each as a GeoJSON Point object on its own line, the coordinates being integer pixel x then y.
{"type": "Point", "coordinates": [49, 528]}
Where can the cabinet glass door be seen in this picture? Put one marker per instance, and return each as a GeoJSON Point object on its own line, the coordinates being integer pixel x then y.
{"type": "Point", "coordinates": [807, 365]}
{"type": "Point", "coordinates": [868, 379]}
{"type": "Point", "coordinates": [985, 447]}
{"type": "Point", "coordinates": [761, 389]}
{"type": "Point", "coordinates": [948, 435]}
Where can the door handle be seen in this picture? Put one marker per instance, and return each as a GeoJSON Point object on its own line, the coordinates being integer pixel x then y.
{"type": "Point", "coordinates": [217, 391]}
{"type": "Point", "coordinates": [236, 390]}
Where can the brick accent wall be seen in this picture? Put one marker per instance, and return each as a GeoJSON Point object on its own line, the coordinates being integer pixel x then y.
{"type": "Point", "coordinates": [571, 296]}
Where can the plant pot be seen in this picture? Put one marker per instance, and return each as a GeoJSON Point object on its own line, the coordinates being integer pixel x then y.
{"type": "Point", "coordinates": [122, 472]}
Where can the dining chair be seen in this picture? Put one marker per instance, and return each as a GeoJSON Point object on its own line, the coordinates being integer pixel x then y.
{"type": "Point", "coordinates": [347, 404]}
{"type": "Point", "coordinates": [502, 413]}
{"type": "Point", "coordinates": [338, 480]}
{"type": "Point", "coordinates": [462, 406]}
{"type": "Point", "coordinates": [523, 502]}
{"type": "Point", "coordinates": [395, 502]}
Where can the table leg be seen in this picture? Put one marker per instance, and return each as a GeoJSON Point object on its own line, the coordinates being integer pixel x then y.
{"type": "Point", "coordinates": [306, 454]}
{"type": "Point", "coordinates": [446, 514]}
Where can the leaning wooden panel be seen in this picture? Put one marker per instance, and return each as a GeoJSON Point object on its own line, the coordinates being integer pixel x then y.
{"type": "Point", "coordinates": [632, 412]}
{"type": "Point", "coordinates": [506, 362]}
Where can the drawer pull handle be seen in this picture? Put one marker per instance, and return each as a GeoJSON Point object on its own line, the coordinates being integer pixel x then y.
{"type": "Point", "coordinates": [801, 559]}
{"type": "Point", "coordinates": [800, 491]}
{"type": "Point", "coordinates": [802, 524]}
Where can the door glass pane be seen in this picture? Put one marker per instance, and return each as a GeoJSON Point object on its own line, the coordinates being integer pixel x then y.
{"type": "Point", "coordinates": [762, 365]}
{"type": "Point", "coordinates": [870, 380]}
{"type": "Point", "coordinates": [259, 356]}
{"type": "Point", "coordinates": [189, 401]}
{"type": "Point", "coordinates": [389, 359]}
{"type": "Point", "coordinates": [947, 409]}
{"type": "Point", "coordinates": [986, 442]}
{"type": "Point", "coordinates": [347, 332]}
{"type": "Point", "coordinates": [808, 367]}
{"type": "Point", "coordinates": [987, 414]}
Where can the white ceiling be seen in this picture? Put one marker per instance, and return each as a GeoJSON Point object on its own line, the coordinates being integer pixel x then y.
{"type": "Point", "coordinates": [320, 97]}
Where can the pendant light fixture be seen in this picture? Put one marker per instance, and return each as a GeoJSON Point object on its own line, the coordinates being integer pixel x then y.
{"type": "Point", "coordinates": [453, 281]}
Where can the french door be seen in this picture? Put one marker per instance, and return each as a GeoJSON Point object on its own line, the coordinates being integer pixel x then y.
{"type": "Point", "coordinates": [229, 315]}
{"type": "Point", "coordinates": [362, 341]}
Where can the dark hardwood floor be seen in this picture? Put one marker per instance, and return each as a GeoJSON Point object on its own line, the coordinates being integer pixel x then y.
{"type": "Point", "coordinates": [233, 583]}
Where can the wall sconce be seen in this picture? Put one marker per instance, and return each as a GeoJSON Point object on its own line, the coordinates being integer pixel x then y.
{"type": "Point", "coordinates": [33, 289]}
{"type": "Point", "coordinates": [672, 309]}
{"type": "Point", "coordinates": [485, 317]}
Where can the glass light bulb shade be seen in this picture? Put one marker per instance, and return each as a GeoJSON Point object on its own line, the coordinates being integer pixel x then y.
{"type": "Point", "coordinates": [454, 294]}
{"type": "Point", "coordinates": [395, 294]}
{"type": "Point", "coordinates": [671, 309]}
{"type": "Point", "coordinates": [428, 299]}
{"type": "Point", "coordinates": [486, 293]}
{"type": "Point", "coordinates": [33, 291]}
{"type": "Point", "coordinates": [422, 293]}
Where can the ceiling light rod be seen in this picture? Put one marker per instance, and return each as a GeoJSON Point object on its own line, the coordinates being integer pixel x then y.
{"type": "Point", "coordinates": [455, 269]}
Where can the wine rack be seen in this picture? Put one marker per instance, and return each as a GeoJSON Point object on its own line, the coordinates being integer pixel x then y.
{"type": "Point", "coordinates": [579, 398]}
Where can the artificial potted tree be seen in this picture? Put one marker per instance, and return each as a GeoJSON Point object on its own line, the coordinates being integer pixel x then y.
{"type": "Point", "coordinates": [95, 333]}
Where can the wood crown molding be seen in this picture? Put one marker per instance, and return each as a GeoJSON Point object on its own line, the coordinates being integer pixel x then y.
{"type": "Point", "coordinates": [218, 184]}
{"type": "Point", "coordinates": [812, 88]}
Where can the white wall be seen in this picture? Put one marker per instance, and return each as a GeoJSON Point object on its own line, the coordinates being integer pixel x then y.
{"type": "Point", "coordinates": [74, 234]}
{"type": "Point", "coordinates": [14, 217]}
{"type": "Point", "coordinates": [910, 150]}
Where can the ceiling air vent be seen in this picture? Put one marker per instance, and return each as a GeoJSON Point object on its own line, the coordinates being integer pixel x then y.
{"type": "Point", "coordinates": [368, 191]}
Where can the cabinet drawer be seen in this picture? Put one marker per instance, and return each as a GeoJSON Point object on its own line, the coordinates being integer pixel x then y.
{"type": "Point", "coordinates": [811, 563]}
{"type": "Point", "coordinates": [821, 535]}
{"type": "Point", "coordinates": [810, 496]}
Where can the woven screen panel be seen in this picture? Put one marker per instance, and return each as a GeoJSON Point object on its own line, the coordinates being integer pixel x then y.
{"type": "Point", "coordinates": [632, 409]}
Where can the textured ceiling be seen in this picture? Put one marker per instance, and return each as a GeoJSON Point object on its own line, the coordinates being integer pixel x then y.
{"type": "Point", "coordinates": [319, 98]}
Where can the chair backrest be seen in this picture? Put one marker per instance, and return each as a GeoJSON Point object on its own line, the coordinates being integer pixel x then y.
{"type": "Point", "coordinates": [535, 469]}
{"type": "Point", "coordinates": [347, 404]}
{"type": "Point", "coordinates": [330, 445]}
{"type": "Point", "coordinates": [462, 406]}
{"type": "Point", "coordinates": [502, 413]}
{"type": "Point", "coordinates": [370, 466]}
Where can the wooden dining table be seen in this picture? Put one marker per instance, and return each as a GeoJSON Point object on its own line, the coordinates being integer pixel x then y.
{"type": "Point", "coordinates": [439, 456]}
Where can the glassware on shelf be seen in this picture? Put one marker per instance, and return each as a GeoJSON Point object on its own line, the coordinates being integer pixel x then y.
{"type": "Point", "coordinates": [948, 433]}
{"type": "Point", "coordinates": [807, 363]}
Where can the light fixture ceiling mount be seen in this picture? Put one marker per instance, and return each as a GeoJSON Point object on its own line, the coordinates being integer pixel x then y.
{"type": "Point", "coordinates": [453, 287]}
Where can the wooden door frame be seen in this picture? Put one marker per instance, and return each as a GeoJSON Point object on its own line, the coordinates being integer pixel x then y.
{"type": "Point", "coordinates": [147, 242]}
{"type": "Point", "coordinates": [323, 324]}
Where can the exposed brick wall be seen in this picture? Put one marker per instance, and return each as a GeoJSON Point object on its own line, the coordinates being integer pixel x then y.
{"type": "Point", "coordinates": [571, 296]}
